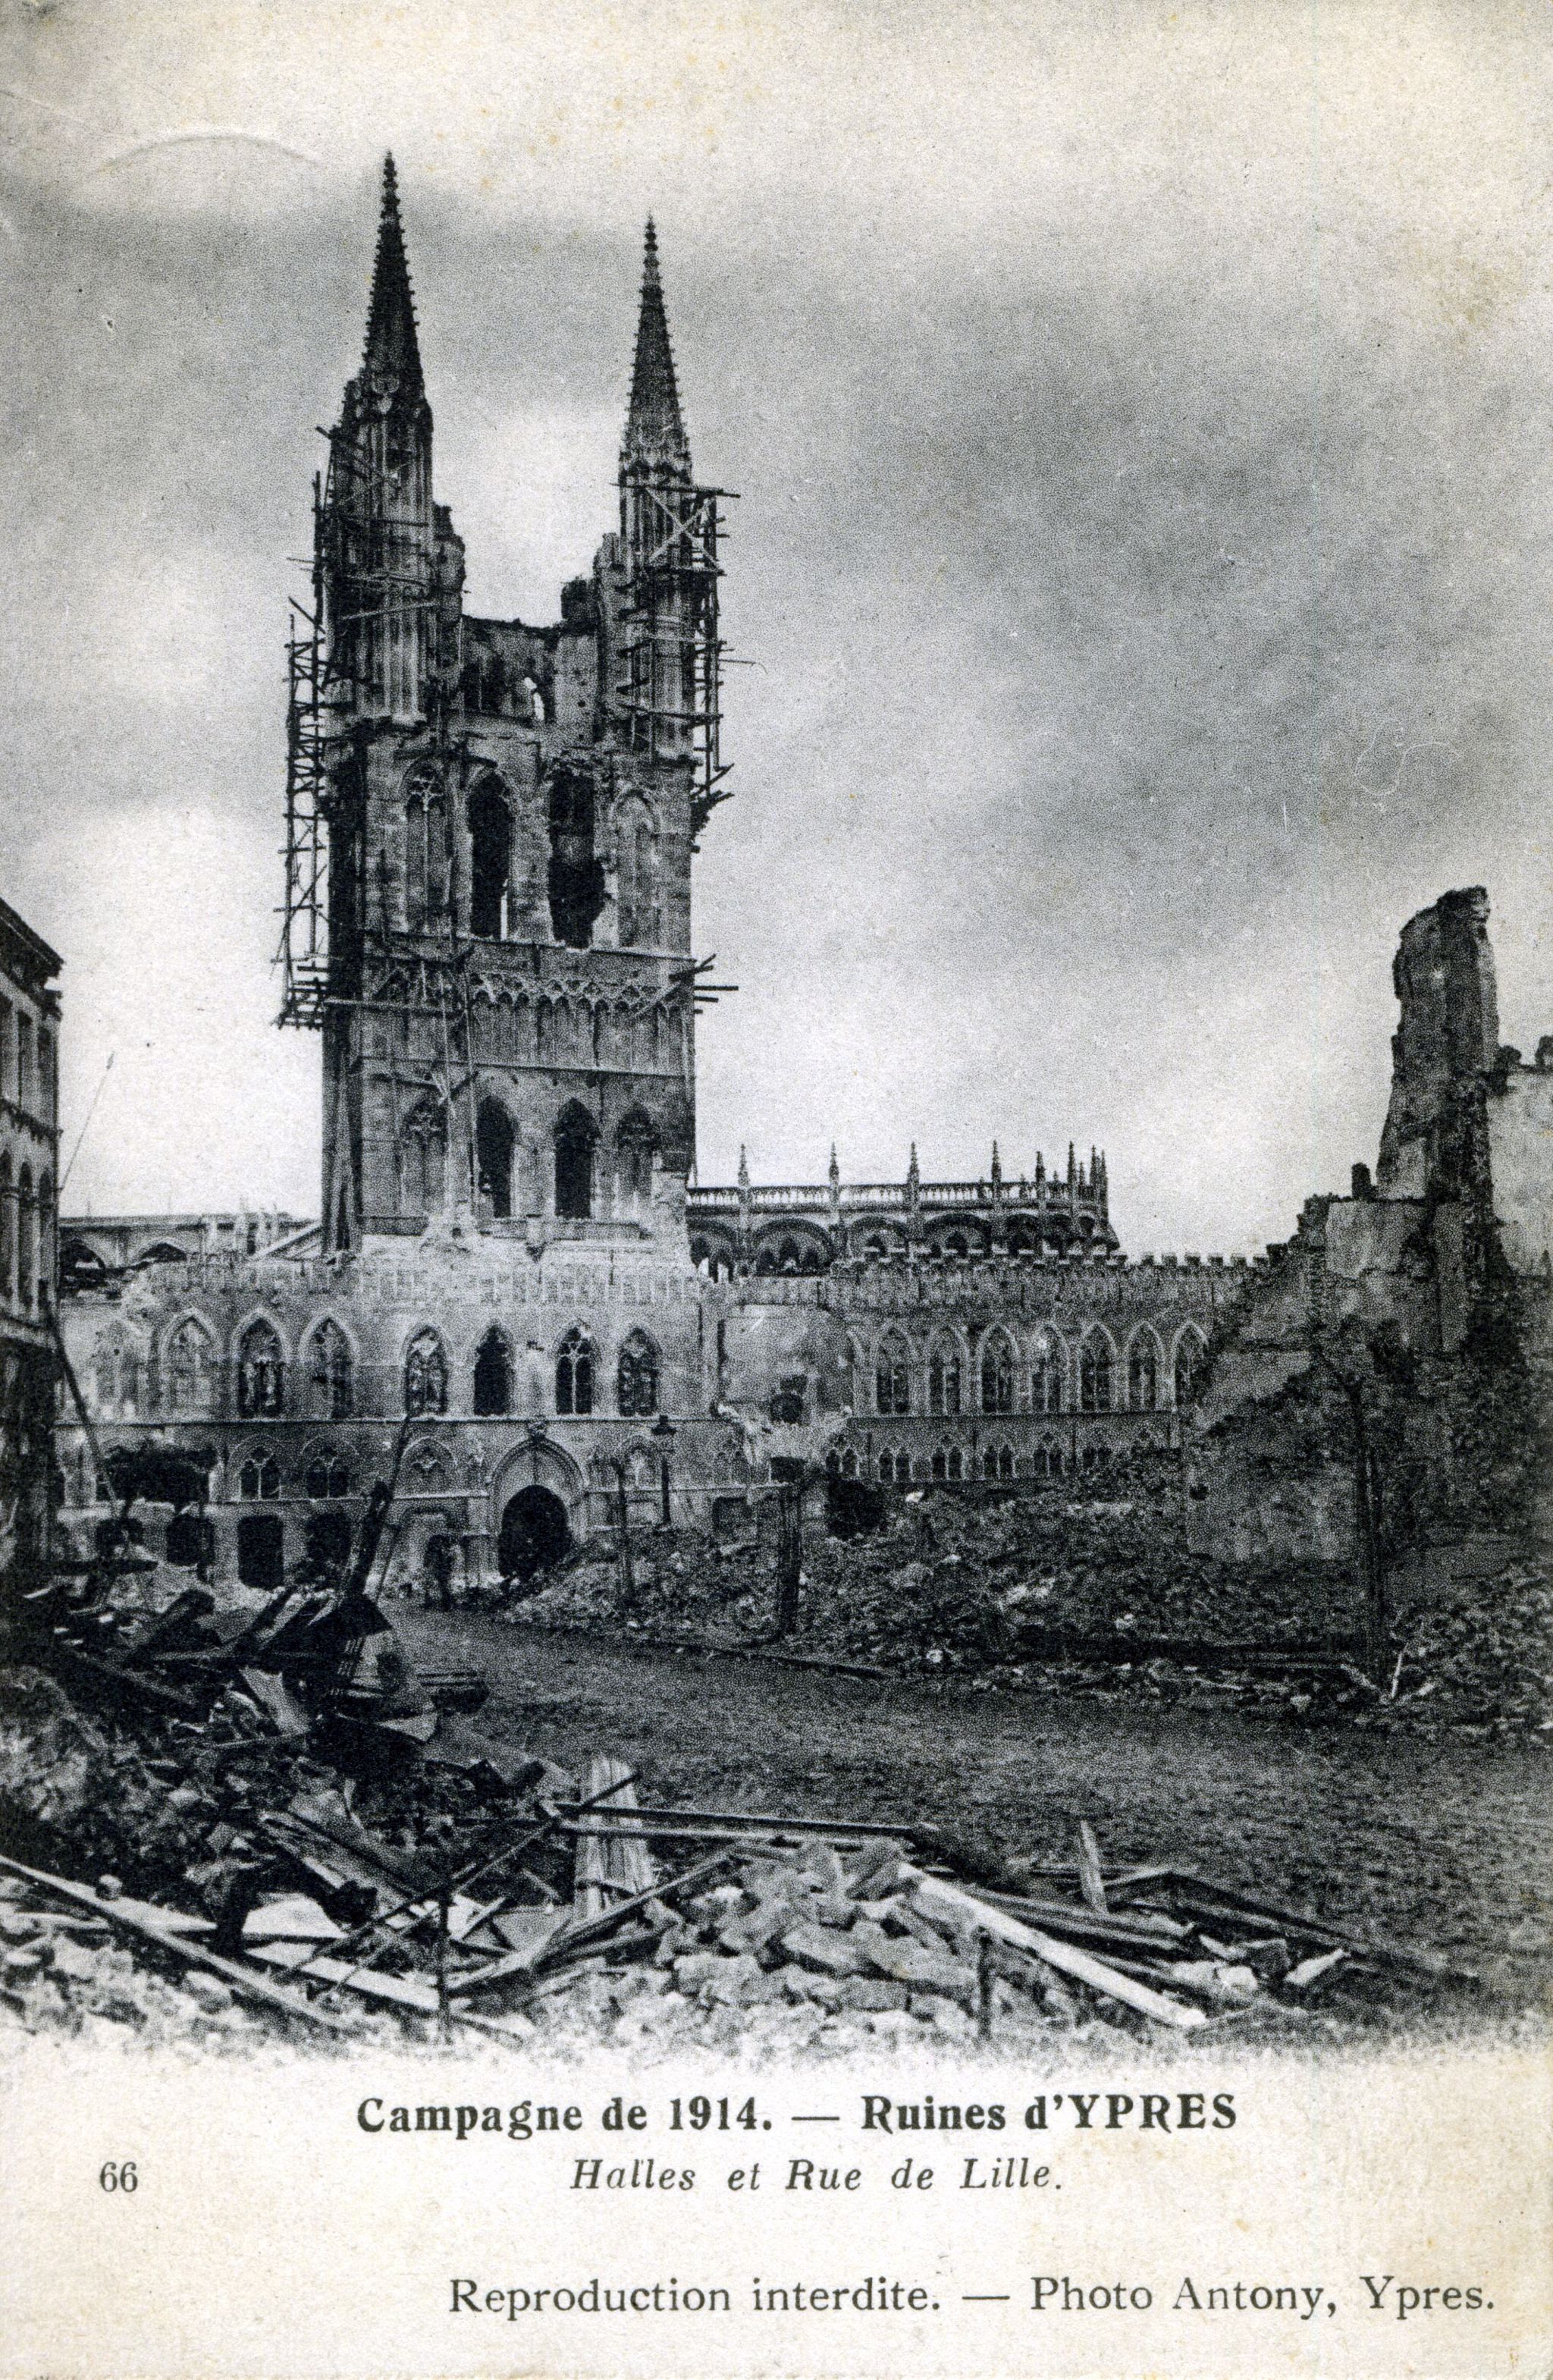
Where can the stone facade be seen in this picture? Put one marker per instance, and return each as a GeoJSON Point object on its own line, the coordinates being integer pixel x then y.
{"type": "Point", "coordinates": [29, 1173]}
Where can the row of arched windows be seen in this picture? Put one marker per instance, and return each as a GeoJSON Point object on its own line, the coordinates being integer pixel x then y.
{"type": "Point", "coordinates": [191, 1370]}
{"type": "Point", "coordinates": [995, 1385]}
{"type": "Point", "coordinates": [25, 1244]}
{"type": "Point", "coordinates": [894, 1466]}
{"type": "Point", "coordinates": [499, 1159]}
{"type": "Point", "coordinates": [575, 875]}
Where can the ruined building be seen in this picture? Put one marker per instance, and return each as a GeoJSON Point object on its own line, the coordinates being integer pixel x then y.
{"type": "Point", "coordinates": [491, 833]}
{"type": "Point", "coordinates": [1384, 1390]}
{"type": "Point", "coordinates": [29, 1173]}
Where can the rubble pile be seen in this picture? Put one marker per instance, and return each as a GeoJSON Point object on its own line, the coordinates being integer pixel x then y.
{"type": "Point", "coordinates": [464, 1888]}
{"type": "Point", "coordinates": [1046, 1594]}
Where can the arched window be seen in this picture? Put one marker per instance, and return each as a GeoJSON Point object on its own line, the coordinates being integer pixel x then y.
{"type": "Point", "coordinates": [490, 863]}
{"type": "Point", "coordinates": [1094, 1374]}
{"type": "Point", "coordinates": [425, 1374]}
{"type": "Point", "coordinates": [26, 1238]}
{"type": "Point", "coordinates": [492, 1374]}
{"type": "Point", "coordinates": [259, 1478]}
{"type": "Point", "coordinates": [573, 1373]}
{"type": "Point", "coordinates": [7, 1230]}
{"type": "Point", "coordinates": [1191, 1355]}
{"type": "Point", "coordinates": [1143, 1373]}
{"type": "Point", "coordinates": [1046, 1375]}
{"type": "Point", "coordinates": [893, 1466]}
{"type": "Point", "coordinates": [423, 1156]}
{"type": "Point", "coordinates": [943, 1378]}
{"type": "Point", "coordinates": [328, 1477]}
{"type": "Point", "coordinates": [496, 1137]}
{"type": "Point", "coordinates": [330, 1372]}
{"type": "Point", "coordinates": [849, 1463]}
{"type": "Point", "coordinates": [575, 1136]}
{"type": "Point", "coordinates": [632, 1162]}
{"type": "Point", "coordinates": [638, 880]}
{"type": "Point", "coordinates": [576, 876]}
{"type": "Point", "coordinates": [190, 1369]}
{"type": "Point", "coordinates": [260, 1372]}
{"type": "Point", "coordinates": [636, 1384]}
{"type": "Point", "coordinates": [892, 1375]}
{"type": "Point", "coordinates": [425, 849]}
{"type": "Point", "coordinates": [1049, 1460]}
{"type": "Point", "coordinates": [997, 1376]}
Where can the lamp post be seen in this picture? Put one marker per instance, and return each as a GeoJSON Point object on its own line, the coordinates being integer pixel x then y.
{"type": "Point", "coordinates": [664, 1432]}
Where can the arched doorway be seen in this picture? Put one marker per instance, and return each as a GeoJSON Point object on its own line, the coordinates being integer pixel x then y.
{"type": "Point", "coordinates": [535, 1533]}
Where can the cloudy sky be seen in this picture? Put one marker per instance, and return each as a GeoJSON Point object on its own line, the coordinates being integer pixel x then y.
{"type": "Point", "coordinates": [1143, 567]}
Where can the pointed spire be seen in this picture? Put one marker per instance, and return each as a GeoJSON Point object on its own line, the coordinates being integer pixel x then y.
{"type": "Point", "coordinates": [996, 1168]}
{"type": "Point", "coordinates": [393, 352]}
{"type": "Point", "coordinates": [744, 1168]}
{"type": "Point", "coordinates": [836, 1168]}
{"type": "Point", "coordinates": [654, 432]}
{"type": "Point", "coordinates": [914, 1172]}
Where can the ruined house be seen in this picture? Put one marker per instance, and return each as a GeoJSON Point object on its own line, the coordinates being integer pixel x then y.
{"type": "Point", "coordinates": [1381, 1397]}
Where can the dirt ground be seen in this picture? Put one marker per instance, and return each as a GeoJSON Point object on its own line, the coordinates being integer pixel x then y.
{"type": "Point", "coordinates": [1441, 1844]}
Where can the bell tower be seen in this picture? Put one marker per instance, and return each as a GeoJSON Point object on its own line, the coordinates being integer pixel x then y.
{"type": "Point", "coordinates": [491, 826]}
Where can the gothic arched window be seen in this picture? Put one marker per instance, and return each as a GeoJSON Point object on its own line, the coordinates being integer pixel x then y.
{"type": "Point", "coordinates": [573, 1373]}
{"type": "Point", "coordinates": [1094, 1374]}
{"type": "Point", "coordinates": [425, 849]}
{"type": "Point", "coordinates": [892, 1375]}
{"type": "Point", "coordinates": [943, 1378]}
{"type": "Point", "coordinates": [577, 877]}
{"type": "Point", "coordinates": [997, 1376]}
{"type": "Point", "coordinates": [490, 862]}
{"type": "Point", "coordinates": [1046, 1375]}
{"type": "Point", "coordinates": [328, 1477]}
{"type": "Point", "coordinates": [423, 1156]}
{"type": "Point", "coordinates": [636, 1382]}
{"type": "Point", "coordinates": [495, 1138]}
{"type": "Point", "coordinates": [190, 1369]}
{"type": "Point", "coordinates": [1143, 1373]}
{"type": "Point", "coordinates": [633, 1158]}
{"type": "Point", "coordinates": [260, 1372]}
{"type": "Point", "coordinates": [492, 1374]}
{"type": "Point", "coordinates": [637, 866]}
{"type": "Point", "coordinates": [330, 1372]}
{"type": "Point", "coordinates": [425, 1374]}
{"type": "Point", "coordinates": [573, 1163]}
{"type": "Point", "coordinates": [1191, 1355]}
{"type": "Point", "coordinates": [7, 1229]}
{"type": "Point", "coordinates": [259, 1478]}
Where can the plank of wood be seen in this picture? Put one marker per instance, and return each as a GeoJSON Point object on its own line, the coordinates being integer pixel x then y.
{"type": "Point", "coordinates": [192, 1953]}
{"type": "Point", "coordinates": [1143, 1932]}
{"type": "Point", "coordinates": [886, 1830]}
{"type": "Point", "coordinates": [627, 1864]}
{"type": "Point", "coordinates": [1066, 1956]}
{"type": "Point", "coordinates": [605, 1776]}
{"type": "Point", "coordinates": [1091, 1877]}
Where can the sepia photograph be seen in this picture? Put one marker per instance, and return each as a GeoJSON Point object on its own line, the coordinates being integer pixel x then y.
{"type": "Point", "coordinates": [776, 1070]}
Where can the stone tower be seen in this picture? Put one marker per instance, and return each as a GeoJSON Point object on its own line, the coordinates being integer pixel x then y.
{"type": "Point", "coordinates": [503, 977]}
